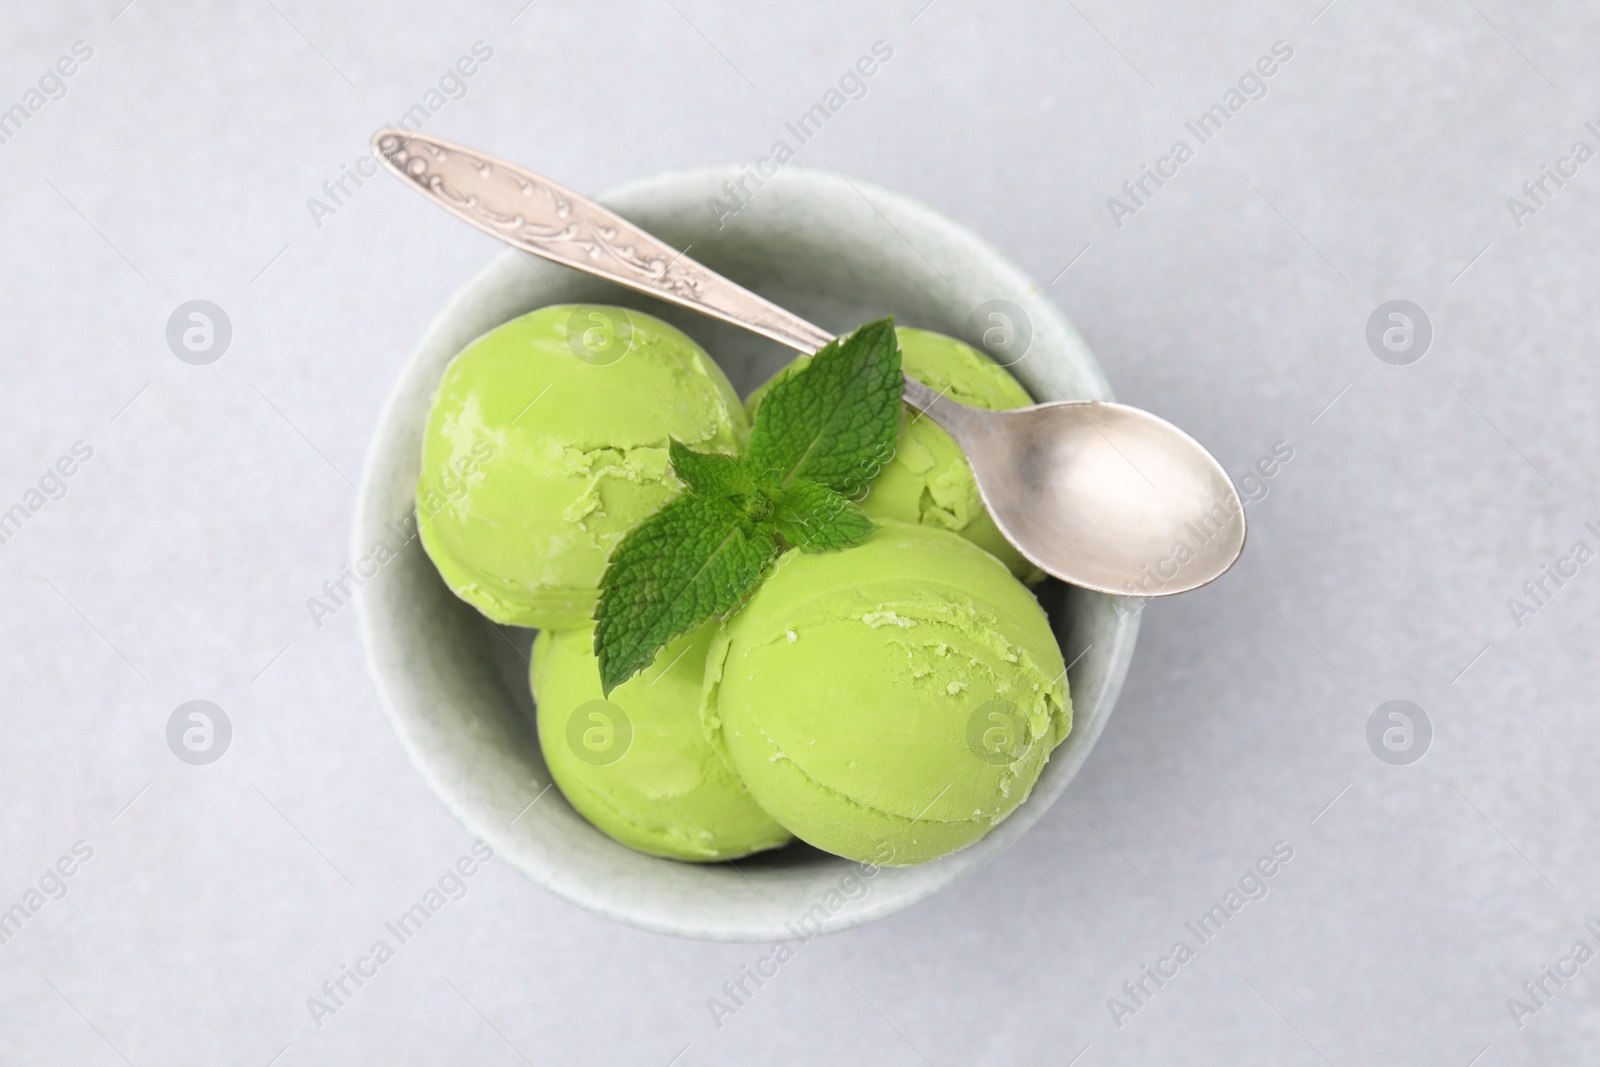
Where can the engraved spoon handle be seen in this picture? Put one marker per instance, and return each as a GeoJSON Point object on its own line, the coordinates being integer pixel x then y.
{"type": "Point", "coordinates": [532, 213]}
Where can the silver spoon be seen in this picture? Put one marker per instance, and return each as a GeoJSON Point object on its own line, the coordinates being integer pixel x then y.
{"type": "Point", "coordinates": [1098, 494]}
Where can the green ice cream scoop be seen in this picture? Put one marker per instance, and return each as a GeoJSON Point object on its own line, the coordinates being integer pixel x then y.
{"type": "Point", "coordinates": [928, 481]}
{"type": "Point", "coordinates": [547, 442]}
{"type": "Point", "coordinates": [892, 702]}
{"type": "Point", "coordinates": [638, 765]}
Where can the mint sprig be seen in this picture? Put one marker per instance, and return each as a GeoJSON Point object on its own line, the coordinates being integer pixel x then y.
{"type": "Point", "coordinates": [821, 435]}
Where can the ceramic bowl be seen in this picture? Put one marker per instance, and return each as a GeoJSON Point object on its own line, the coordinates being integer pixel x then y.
{"type": "Point", "coordinates": [839, 252]}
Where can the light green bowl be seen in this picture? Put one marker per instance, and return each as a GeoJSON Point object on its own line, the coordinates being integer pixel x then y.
{"type": "Point", "coordinates": [838, 253]}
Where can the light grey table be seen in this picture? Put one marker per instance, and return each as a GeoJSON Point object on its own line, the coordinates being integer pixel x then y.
{"type": "Point", "coordinates": [196, 153]}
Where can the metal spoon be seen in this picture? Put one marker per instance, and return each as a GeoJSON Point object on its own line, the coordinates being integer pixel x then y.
{"type": "Point", "coordinates": [1098, 494]}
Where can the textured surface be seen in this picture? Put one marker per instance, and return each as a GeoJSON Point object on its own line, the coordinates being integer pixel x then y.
{"type": "Point", "coordinates": [638, 766]}
{"type": "Point", "coordinates": [890, 704]}
{"type": "Point", "coordinates": [548, 443]}
{"type": "Point", "coordinates": [1235, 301]}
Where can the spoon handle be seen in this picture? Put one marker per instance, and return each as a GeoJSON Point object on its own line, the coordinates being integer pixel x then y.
{"type": "Point", "coordinates": [536, 215]}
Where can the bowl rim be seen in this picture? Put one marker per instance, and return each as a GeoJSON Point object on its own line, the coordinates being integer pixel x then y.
{"type": "Point", "coordinates": [377, 632]}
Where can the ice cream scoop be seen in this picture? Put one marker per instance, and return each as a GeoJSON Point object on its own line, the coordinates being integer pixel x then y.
{"type": "Point", "coordinates": [638, 766]}
{"type": "Point", "coordinates": [928, 481]}
{"type": "Point", "coordinates": [547, 442]}
{"type": "Point", "coordinates": [892, 702]}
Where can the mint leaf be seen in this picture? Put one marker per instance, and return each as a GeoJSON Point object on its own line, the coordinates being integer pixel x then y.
{"type": "Point", "coordinates": [836, 421]}
{"type": "Point", "coordinates": [710, 473]}
{"type": "Point", "coordinates": [821, 435]}
{"type": "Point", "coordinates": [694, 559]}
{"type": "Point", "coordinates": [814, 518]}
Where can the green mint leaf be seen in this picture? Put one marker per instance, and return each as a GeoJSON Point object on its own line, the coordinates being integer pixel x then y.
{"type": "Point", "coordinates": [814, 518]}
{"type": "Point", "coordinates": [835, 421]}
{"type": "Point", "coordinates": [696, 558]}
{"type": "Point", "coordinates": [709, 473]}
{"type": "Point", "coordinates": [821, 435]}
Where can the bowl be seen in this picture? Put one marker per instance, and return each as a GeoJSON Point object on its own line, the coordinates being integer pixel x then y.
{"type": "Point", "coordinates": [839, 252]}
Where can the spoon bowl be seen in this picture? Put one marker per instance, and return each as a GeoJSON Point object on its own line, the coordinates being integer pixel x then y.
{"type": "Point", "coordinates": [1106, 496]}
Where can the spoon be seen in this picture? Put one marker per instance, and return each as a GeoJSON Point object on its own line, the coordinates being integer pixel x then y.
{"type": "Point", "coordinates": [1098, 494]}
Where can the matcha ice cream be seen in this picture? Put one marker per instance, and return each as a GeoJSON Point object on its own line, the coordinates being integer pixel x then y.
{"type": "Point", "coordinates": [638, 766]}
{"type": "Point", "coordinates": [547, 442]}
{"type": "Point", "coordinates": [892, 702]}
{"type": "Point", "coordinates": [928, 481]}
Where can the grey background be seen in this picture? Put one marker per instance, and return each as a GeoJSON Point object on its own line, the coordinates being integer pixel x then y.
{"type": "Point", "coordinates": [177, 566]}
